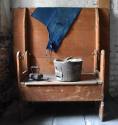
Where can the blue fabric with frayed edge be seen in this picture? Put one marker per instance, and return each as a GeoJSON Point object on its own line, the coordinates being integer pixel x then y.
{"type": "Point", "coordinates": [58, 22]}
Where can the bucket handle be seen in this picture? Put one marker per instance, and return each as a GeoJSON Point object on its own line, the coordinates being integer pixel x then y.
{"type": "Point", "coordinates": [70, 57]}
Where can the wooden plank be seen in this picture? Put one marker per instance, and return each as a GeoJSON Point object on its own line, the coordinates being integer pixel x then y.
{"type": "Point", "coordinates": [81, 32]}
{"type": "Point", "coordinates": [86, 79]}
{"type": "Point", "coordinates": [97, 41]}
{"type": "Point", "coordinates": [23, 65]}
{"type": "Point", "coordinates": [19, 35]}
{"type": "Point", "coordinates": [92, 119]}
{"type": "Point", "coordinates": [61, 93]}
{"type": "Point", "coordinates": [69, 120]}
{"type": "Point", "coordinates": [38, 120]}
{"type": "Point", "coordinates": [102, 65]}
{"type": "Point", "coordinates": [19, 29]}
{"type": "Point", "coordinates": [86, 82]}
{"type": "Point", "coordinates": [104, 4]}
{"type": "Point", "coordinates": [97, 28]}
{"type": "Point", "coordinates": [18, 67]}
{"type": "Point", "coordinates": [105, 42]}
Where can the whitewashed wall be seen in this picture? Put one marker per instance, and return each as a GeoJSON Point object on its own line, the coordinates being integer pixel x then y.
{"type": "Point", "coordinates": [54, 3]}
{"type": "Point", "coordinates": [5, 17]}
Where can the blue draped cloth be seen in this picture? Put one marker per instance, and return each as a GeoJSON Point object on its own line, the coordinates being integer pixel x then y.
{"type": "Point", "coordinates": [58, 22]}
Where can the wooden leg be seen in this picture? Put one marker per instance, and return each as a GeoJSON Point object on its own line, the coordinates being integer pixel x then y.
{"type": "Point", "coordinates": [101, 111]}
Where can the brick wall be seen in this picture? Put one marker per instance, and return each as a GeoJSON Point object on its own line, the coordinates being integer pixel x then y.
{"type": "Point", "coordinates": [7, 86]}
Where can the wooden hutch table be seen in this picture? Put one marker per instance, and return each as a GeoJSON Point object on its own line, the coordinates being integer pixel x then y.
{"type": "Point", "coordinates": [88, 38]}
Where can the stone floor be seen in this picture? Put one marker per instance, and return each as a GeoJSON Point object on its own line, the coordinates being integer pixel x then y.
{"type": "Point", "coordinates": [60, 114]}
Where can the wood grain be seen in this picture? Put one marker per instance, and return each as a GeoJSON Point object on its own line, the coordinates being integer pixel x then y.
{"type": "Point", "coordinates": [79, 42]}
{"type": "Point", "coordinates": [105, 42]}
{"type": "Point", "coordinates": [62, 93]}
{"type": "Point", "coordinates": [19, 29]}
{"type": "Point", "coordinates": [104, 4]}
{"type": "Point", "coordinates": [83, 38]}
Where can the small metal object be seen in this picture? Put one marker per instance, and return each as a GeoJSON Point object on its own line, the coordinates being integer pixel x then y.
{"type": "Point", "coordinates": [35, 74]}
{"type": "Point", "coordinates": [69, 69]}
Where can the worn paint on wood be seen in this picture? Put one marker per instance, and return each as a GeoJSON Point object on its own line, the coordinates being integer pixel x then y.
{"type": "Point", "coordinates": [19, 29]}
{"type": "Point", "coordinates": [104, 4]}
{"type": "Point", "coordinates": [69, 92]}
{"type": "Point", "coordinates": [62, 93]}
{"type": "Point", "coordinates": [86, 79]}
{"type": "Point", "coordinates": [74, 43]}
